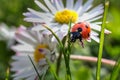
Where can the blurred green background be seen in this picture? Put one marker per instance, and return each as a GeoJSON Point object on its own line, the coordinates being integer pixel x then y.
{"type": "Point", "coordinates": [11, 14]}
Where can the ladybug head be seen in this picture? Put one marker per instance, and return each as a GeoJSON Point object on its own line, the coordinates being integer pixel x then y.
{"type": "Point", "coordinates": [76, 35]}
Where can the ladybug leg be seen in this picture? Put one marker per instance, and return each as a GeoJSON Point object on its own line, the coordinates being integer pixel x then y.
{"type": "Point", "coordinates": [80, 38]}
{"type": "Point", "coordinates": [82, 44]}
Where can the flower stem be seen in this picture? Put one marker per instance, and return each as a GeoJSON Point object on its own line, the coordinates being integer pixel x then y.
{"type": "Point", "coordinates": [67, 56]}
{"type": "Point", "coordinates": [68, 75]}
{"type": "Point", "coordinates": [101, 42]}
{"type": "Point", "coordinates": [58, 63]}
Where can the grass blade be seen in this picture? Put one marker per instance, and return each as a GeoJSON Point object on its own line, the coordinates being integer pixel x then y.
{"type": "Point", "coordinates": [116, 70]}
{"type": "Point", "coordinates": [101, 42]}
{"type": "Point", "coordinates": [52, 70]}
{"type": "Point", "coordinates": [7, 74]}
{"type": "Point", "coordinates": [35, 68]}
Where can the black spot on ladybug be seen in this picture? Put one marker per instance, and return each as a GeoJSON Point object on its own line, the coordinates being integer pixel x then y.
{"type": "Point", "coordinates": [88, 34]}
{"type": "Point", "coordinates": [79, 29]}
{"type": "Point", "coordinates": [86, 26]}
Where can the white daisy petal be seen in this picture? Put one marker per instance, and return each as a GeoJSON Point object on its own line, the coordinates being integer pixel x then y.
{"type": "Point", "coordinates": [4, 29]}
{"type": "Point", "coordinates": [25, 38]}
{"type": "Point", "coordinates": [86, 7]}
{"type": "Point", "coordinates": [19, 65]}
{"type": "Point", "coordinates": [25, 54]}
{"type": "Point", "coordinates": [99, 7]}
{"type": "Point", "coordinates": [57, 4]}
{"type": "Point", "coordinates": [95, 38]}
{"type": "Point", "coordinates": [19, 57]}
{"type": "Point", "coordinates": [42, 62]}
{"type": "Point", "coordinates": [96, 13]}
{"type": "Point", "coordinates": [39, 14]}
{"type": "Point", "coordinates": [107, 31]}
{"type": "Point", "coordinates": [50, 6]}
{"type": "Point", "coordinates": [64, 28]}
{"type": "Point", "coordinates": [41, 6]}
{"type": "Point", "coordinates": [62, 33]}
{"type": "Point", "coordinates": [32, 77]}
{"type": "Point", "coordinates": [25, 74]}
{"type": "Point", "coordinates": [38, 28]}
{"type": "Point", "coordinates": [39, 38]}
{"type": "Point", "coordinates": [51, 25]}
{"type": "Point", "coordinates": [97, 23]}
{"type": "Point", "coordinates": [94, 33]}
{"type": "Point", "coordinates": [93, 19]}
{"type": "Point", "coordinates": [33, 34]}
{"type": "Point", "coordinates": [39, 20]}
{"type": "Point", "coordinates": [28, 14]}
{"type": "Point", "coordinates": [78, 4]}
{"type": "Point", "coordinates": [98, 28]}
{"type": "Point", "coordinates": [69, 4]}
{"type": "Point", "coordinates": [54, 29]}
{"type": "Point", "coordinates": [23, 48]}
{"type": "Point", "coordinates": [61, 3]}
{"type": "Point", "coordinates": [7, 34]}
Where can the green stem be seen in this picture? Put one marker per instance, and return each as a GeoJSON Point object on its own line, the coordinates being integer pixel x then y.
{"type": "Point", "coordinates": [68, 75]}
{"type": "Point", "coordinates": [58, 63]}
{"type": "Point", "coordinates": [101, 42]}
{"type": "Point", "coordinates": [67, 56]}
{"type": "Point", "coordinates": [52, 69]}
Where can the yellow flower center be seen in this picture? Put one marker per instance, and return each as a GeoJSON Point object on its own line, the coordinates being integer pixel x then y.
{"type": "Point", "coordinates": [38, 54]}
{"type": "Point", "coordinates": [63, 17]}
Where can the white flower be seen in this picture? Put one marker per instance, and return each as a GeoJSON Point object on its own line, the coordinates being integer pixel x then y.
{"type": "Point", "coordinates": [57, 16]}
{"type": "Point", "coordinates": [7, 34]}
{"type": "Point", "coordinates": [36, 45]}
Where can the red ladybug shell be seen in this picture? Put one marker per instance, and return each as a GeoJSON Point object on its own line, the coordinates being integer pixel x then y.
{"type": "Point", "coordinates": [85, 29]}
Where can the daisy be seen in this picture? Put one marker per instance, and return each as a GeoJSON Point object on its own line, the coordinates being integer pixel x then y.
{"type": "Point", "coordinates": [7, 34]}
{"type": "Point", "coordinates": [57, 15]}
{"type": "Point", "coordinates": [38, 47]}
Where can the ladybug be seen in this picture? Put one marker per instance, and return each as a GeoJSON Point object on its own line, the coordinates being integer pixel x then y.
{"type": "Point", "coordinates": [80, 31]}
